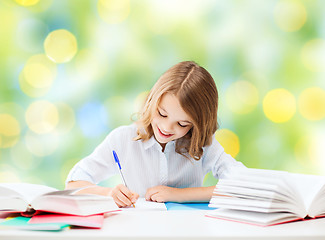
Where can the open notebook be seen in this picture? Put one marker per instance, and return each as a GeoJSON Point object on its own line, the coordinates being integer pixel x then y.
{"type": "Point", "coordinates": [143, 204]}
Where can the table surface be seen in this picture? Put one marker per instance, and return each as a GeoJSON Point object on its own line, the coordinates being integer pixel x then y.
{"type": "Point", "coordinates": [184, 224]}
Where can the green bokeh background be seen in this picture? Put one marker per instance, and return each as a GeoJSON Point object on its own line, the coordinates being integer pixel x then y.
{"type": "Point", "coordinates": [117, 60]}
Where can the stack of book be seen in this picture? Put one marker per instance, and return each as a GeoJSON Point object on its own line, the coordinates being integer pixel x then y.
{"type": "Point", "coordinates": [268, 197]}
{"type": "Point", "coordinates": [39, 207]}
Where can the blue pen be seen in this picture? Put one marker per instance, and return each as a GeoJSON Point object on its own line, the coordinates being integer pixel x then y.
{"type": "Point", "coordinates": [120, 169]}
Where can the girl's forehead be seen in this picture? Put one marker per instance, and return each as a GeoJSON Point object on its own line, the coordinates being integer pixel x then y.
{"type": "Point", "coordinates": [169, 99]}
{"type": "Point", "coordinates": [170, 104]}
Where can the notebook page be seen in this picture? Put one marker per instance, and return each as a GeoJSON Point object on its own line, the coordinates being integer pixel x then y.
{"type": "Point", "coordinates": [143, 204]}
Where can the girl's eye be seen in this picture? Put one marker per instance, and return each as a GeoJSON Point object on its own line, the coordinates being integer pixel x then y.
{"type": "Point", "coordinates": [161, 114]}
{"type": "Point", "coordinates": [183, 126]}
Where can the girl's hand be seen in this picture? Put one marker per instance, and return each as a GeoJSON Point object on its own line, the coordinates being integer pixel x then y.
{"type": "Point", "coordinates": [163, 194]}
{"type": "Point", "coordinates": [123, 196]}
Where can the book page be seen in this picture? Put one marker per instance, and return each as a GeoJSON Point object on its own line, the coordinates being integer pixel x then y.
{"type": "Point", "coordinates": [307, 186]}
{"type": "Point", "coordinates": [267, 177]}
{"type": "Point", "coordinates": [257, 218]}
{"type": "Point", "coordinates": [28, 191]}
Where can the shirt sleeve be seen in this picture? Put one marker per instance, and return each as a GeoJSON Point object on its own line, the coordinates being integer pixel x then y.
{"type": "Point", "coordinates": [218, 162]}
{"type": "Point", "coordinates": [98, 166]}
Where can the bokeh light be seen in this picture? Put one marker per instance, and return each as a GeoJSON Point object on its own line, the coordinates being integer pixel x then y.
{"type": "Point", "coordinates": [113, 11]}
{"type": "Point", "coordinates": [42, 117]}
{"type": "Point", "coordinates": [41, 145]}
{"type": "Point", "coordinates": [313, 55]}
{"type": "Point", "coordinates": [15, 110]}
{"type": "Point", "coordinates": [290, 15]}
{"type": "Point", "coordinates": [37, 76]}
{"type": "Point", "coordinates": [318, 153]}
{"type": "Point", "coordinates": [309, 152]}
{"type": "Point", "coordinates": [60, 46]}
{"type": "Point", "coordinates": [242, 97]}
{"type": "Point", "coordinates": [9, 131]}
{"type": "Point", "coordinates": [29, 90]}
{"type": "Point", "coordinates": [66, 117]}
{"type": "Point", "coordinates": [27, 2]}
{"type": "Point", "coordinates": [229, 141]}
{"type": "Point", "coordinates": [95, 113]}
{"type": "Point", "coordinates": [311, 103]}
{"type": "Point", "coordinates": [8, 174]}
{"type": "Point", "coordinates": [39, 71]}
{"type": "Point", "coordinates": [279, 105]}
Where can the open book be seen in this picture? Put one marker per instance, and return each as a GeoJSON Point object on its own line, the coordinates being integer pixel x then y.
{"type": "Point", "coordinates": [268, 197]}
{"type": "Point", "coordinates": [28, 198]}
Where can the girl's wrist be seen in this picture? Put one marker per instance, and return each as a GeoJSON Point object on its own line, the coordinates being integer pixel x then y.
{"type": "Point", "coordinates": [180, 194]}
{"type": "Point", "coordinates": [107, 191]}
{"type": "Point", "coordinates": [196, 194]}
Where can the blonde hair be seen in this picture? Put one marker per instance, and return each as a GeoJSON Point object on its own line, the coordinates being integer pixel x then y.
{"type": "Point", "coordinates": [198, 96]}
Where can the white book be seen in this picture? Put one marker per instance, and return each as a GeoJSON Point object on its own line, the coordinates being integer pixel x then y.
{"type": "Point", "coordinates": [268, 197]}
{"type": "Point", "coordinates": [28, 198]}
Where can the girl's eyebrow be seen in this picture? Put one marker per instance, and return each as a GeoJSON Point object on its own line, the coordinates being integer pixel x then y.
{"type": "Point", "coordinates": [185, 121]}
{"type": "Point", "coordinates": [161, 108]}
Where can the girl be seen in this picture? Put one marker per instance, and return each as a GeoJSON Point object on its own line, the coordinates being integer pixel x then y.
{"type": "Point", "coordinates": [166, 154]}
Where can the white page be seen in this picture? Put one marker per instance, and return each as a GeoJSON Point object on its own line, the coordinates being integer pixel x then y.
{"type": "Point", "coordinates": [27, 190]}
{"type": "Point", "coordinates": [143, 204]}
{"type": "Point", "coordinates": [307, 186]}
{"type": "Point", "coordinates": [247, 192]}
{"type": "Point", "coordinates": [251, 217]}
{"type": "Point", "coordinates": [266, 179]}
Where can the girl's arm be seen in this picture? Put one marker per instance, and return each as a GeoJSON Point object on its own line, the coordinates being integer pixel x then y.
{"type": "Point", "coordinates": [169, 194]}
{"type": "Point", "coordinates": [121, 194]}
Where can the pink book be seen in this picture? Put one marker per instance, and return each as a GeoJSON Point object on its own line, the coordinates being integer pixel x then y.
{"type": "Point", "coordinates": [92, 221]}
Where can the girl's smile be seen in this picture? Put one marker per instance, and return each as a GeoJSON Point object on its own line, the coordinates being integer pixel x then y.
{"type": "Point", "coordinates": [165, 135]}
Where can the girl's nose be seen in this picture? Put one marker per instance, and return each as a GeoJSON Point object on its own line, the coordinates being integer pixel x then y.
{"type": "Point", "coordinates": [167, 127]}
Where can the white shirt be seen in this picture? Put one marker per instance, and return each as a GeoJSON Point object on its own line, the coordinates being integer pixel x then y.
{"type": "Point", "coordinates": [144, 165]}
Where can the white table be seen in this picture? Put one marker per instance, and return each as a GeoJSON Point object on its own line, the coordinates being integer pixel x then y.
{"type": "Point", "coordinates": [176, 225]}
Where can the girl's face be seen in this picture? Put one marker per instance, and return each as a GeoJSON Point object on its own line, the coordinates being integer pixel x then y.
{"type": "Point", "coordinates": [170, 122]}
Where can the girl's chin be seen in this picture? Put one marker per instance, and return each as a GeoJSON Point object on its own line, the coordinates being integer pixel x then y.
{"type": "Point", "coordinates": [162, 140]}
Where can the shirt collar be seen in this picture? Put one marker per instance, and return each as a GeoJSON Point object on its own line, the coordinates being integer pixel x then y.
{"type": "Point", "coordinates": [153, 142]}
{"type": "Point", "coordinates": [149, 143]}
